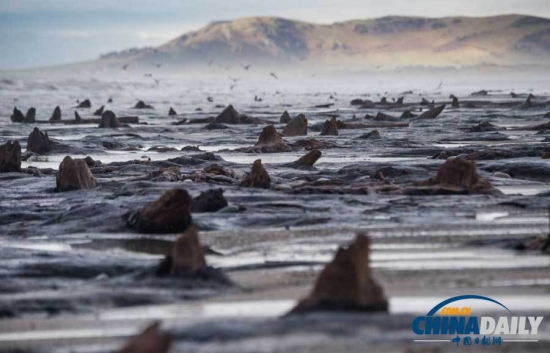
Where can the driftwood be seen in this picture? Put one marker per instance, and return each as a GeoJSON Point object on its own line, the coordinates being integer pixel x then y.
{"type": "Point", "coordinates": [349, 125]}
{"type": "Point", "coordinates": [123, 119]}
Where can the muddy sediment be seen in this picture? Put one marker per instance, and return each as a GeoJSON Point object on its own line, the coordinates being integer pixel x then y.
{"type": "Point", "coordinates": [270, 210]}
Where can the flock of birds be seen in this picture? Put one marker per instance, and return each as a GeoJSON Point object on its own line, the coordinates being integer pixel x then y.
{"type": "Point", "coordinates": [234, 81]}
{"type": "Point", "coordinates": [246, 67]}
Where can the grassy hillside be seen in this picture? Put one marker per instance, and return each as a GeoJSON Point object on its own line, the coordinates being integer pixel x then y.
{"type": "Point", "coordinates": [389, 42]}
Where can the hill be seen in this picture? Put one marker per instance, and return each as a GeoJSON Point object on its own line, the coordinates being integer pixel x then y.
{"type": "Point", "coordinates": [507, 40]}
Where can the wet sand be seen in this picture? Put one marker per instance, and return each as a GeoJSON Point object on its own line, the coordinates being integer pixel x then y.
{"type": "Point", "coordinates": [70, 264]}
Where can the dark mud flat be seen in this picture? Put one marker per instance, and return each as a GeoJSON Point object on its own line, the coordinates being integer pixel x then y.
{"type": "Point", "coordinates": [76, 278]}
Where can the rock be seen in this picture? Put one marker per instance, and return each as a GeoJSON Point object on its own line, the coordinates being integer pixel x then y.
{"type": "Point", "coordinates": [485, 126]}
{"type": "Point", "coordinates": [99, 112]}
{"type": "Point", "coordinates": [232, 117]}
{"type": "Point", "coordinates": [424, 101]}
{"type": "Point", "coordinates": [407, 115]}
{"type": "Point", "coordinates": [10, 157]}
{"type": "Point", "coordinates": [191, 148]}
{"type": "Point", "coordinates": [285, 118]}
{"type": "Point", "coordinates": [313, 144]}
{"type": "Point", "coordinates": [74, 174]}
{"type": "Point", "coordinates": [357, 101]}
{"type": "Point", "coordinates": [501, 175]}
{"type": "Point", "coordinates": [142, 105]}
{"type": "Point", "coordinates": [91, 163]}
{"type": "Point", "coordinates": [209, 201]}
{"type": "Point", "coordinates": [346, 283]}
{"type": "Point", "coordinates": [17, 116]}
{"type": "Point", "coordinates": [169, 174]}
{"type": "Point", "coordinates": [444, 154]}
{"type": "Point", "coordinates": [110, 100]}
{"type": "Point", "coordinates": [306, 161]}
{"type": "Point", "coordinates": [56, 116]}
{"type": "Point", "coordinates": [180, 122]}
{"type": "Point", "coordinates": [455, 103]}
{"type": "Point", "coordinates": [207, 120]}
{"type": "Point", "coordinates": [38, 142]}
{"type": "Point", "coordinates": [229, 116]}
{"type": "Point", "coordinates": [514, 95]}
{"type": "Point", "coordinates": [384, 117]}
{"type": "Point", "coordinates": [460, 173]}
{"type": "Point", "coordinates": [151, 340]}
{"type": "Point", "coordinates": [207, 156]}
{"type": "Point", "coordinates": [31, 116]}
{"type": "Point", "coordinates": [330, 128]}
{"type": "Point", "coordinates": [219, 170]}
{"type": "Point", "coordinates": [328, 105]}
{"type": "Point", "coordinates": [528, 102]}
{"type": "Point", "coordinates": [258, 177]}
{"type": "Point", "coordinates": [547, 115]}
{"type": "Point", "coordinates": [482, 93]}
{"type": "Point", "coordinates": [187, 256]}
{"type": "Point", "coordinates": [383, 100]}
{"type": "Point", "coordinates": [109, 120]}
{"type": "Point", "coordinates": [432, 113]}
{"type": "Point", "coordinates": [85, 104]}
{"type": "Point", "coordinates": [172, 112]}
{"type": "Point", "coordinates": [297, 126]}
{"type": "Point", "coordinates": [187, 261]}
{"type": "Point", "coordinates": [537, 243]}
{"type": "Point", "coordinates": [271, 141]}
{"type": "Point", "coordinates": [373, 135]}
{"type": "Point", "coordinates": [216, 126]}
{"type": "Point", "coordinates": [400, 101]}
{"type": "Point", "coordinates": [171, 213]}
{"type": "Point", "coordinates": [77, 116]}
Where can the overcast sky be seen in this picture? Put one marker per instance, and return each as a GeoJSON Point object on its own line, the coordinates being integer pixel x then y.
{"type": "Point", "coordinates": [49, 32]}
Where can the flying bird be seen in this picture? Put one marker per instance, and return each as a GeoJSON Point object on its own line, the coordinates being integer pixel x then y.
{"type": "Point", "coordinates": [273, 75]}
{"type": "Point", "coordinates": [246, 67]}
{"type": "Point", "coordinates": [440, 85]}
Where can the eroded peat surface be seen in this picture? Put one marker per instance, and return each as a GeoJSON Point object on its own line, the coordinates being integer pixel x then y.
{"type": "Point", "coordinates": [453, 193]}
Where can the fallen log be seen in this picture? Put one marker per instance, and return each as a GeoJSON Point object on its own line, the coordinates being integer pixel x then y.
{"type": "Point", "coordinates": [123, 119]}
{"type": "Point", "coordinates": [373, 126]}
